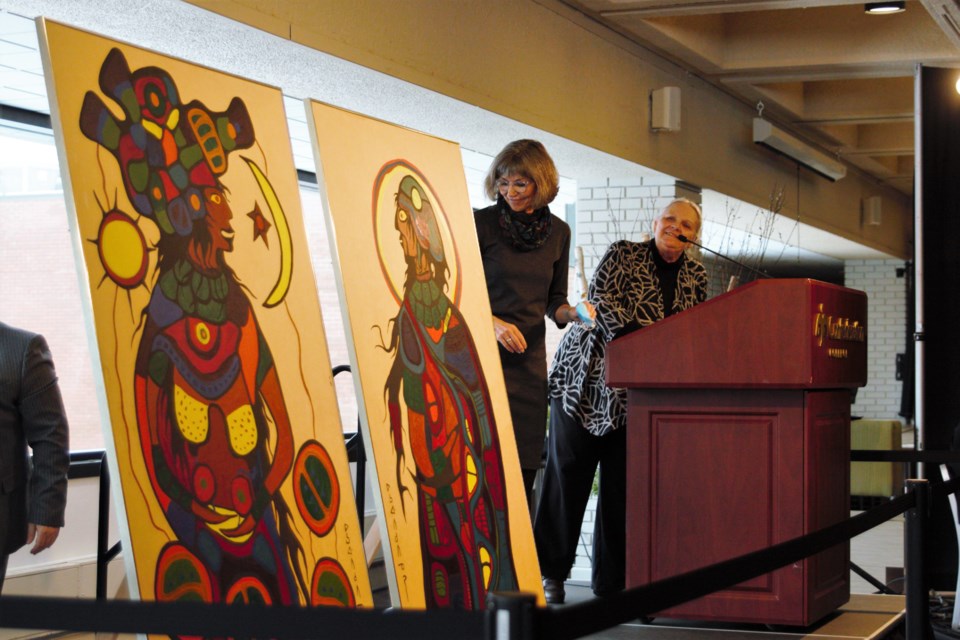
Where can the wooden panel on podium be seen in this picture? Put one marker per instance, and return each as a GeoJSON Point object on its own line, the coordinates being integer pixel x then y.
{"type": "Point", "coordinates": [736, 457]}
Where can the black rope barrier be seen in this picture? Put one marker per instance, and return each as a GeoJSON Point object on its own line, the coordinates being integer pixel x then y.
{"type": "Point", "coordinates": [506, 618]}
{"type": "Point", "coordinates": [927, 456]}
{"type": "Point", "coordinates": [580, 619]}
{"type": "Point", "coordinates": [510, 616]}
{"type": "Point", "coordinates": [237, 621]}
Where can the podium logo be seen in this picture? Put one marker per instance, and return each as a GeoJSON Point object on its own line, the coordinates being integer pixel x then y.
{"type": "Point", "coordinates": [843, 329]}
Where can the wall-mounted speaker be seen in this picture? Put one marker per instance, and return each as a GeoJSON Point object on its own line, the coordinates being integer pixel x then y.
{"type": "Point", "coordinates": [871, 214]}
{"type": "Point", "coordinates": [665, 109]}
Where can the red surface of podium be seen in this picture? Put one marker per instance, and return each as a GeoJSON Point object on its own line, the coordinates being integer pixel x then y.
{"type": "Point", "coordinates": [738, 438]}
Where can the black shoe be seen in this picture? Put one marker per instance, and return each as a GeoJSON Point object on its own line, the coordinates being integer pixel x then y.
{"type": "Point", "coordinates": [553, 591]}
{"type": "Point", "coordinates": [606, 593]}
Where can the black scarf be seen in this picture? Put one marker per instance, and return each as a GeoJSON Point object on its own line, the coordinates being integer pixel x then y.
{"type": "Point", "coordinates": [526, 231]}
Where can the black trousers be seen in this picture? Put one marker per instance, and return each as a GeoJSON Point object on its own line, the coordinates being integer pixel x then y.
{"type": "Point", "coordinates": [529, 480]}
{"type": "Point", "coordinates": [4, 534]}
{"type": "Point", "coordinates": [573, 454]}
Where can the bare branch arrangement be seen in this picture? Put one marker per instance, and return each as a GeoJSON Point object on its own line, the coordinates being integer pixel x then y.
{"type": "Point", "coordinates": [628, 218]}
{"type": "Point", "coordinates": [749, 241]}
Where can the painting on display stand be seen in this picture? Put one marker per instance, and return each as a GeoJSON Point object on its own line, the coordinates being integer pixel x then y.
{"type": "Point", "coordinates": [454, 516]}
{"type": "Point", "coordinates": [220, 415]}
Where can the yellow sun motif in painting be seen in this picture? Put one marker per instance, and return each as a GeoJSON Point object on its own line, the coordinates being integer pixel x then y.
{"type": "Point", "coordinates": [123, 249]}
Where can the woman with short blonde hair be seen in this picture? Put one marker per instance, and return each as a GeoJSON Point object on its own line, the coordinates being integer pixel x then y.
{"type": "Point", "coordinates": [527, 158]}
{"type": "Point", "coordinates": [525, 251]}
{"type": "Point", "coordinates": [634, 285]}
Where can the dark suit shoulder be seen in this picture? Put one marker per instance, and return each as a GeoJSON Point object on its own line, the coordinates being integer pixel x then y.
{"type": "Point", "coordinates": [15, 339]}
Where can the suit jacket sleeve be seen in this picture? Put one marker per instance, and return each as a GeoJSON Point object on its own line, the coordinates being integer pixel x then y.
{"type": "Point", "coordinates": [45, 427]}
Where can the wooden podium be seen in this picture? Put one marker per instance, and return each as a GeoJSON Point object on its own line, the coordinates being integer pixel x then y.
{"type": "Point", "coordinates": [738, 438]}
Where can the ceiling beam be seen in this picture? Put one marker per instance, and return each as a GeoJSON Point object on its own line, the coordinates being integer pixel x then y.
{"type": "Point", "coordinates": [661, 8]}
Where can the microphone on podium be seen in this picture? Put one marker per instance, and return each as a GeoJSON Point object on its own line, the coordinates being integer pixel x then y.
{"type": "Point", "coordinates": [762, 274]}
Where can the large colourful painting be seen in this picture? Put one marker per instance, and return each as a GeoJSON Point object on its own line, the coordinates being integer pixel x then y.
{"type": "Point", "coordinates": [455, 519]}
{"type": "Point", "coordinates": [222, 420]}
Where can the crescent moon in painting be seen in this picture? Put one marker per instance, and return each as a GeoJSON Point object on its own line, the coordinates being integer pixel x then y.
{"type": "Point", "coordinates": [283, 231]}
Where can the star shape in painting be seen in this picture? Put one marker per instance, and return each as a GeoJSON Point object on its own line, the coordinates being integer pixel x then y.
{"type": "Point", "coordinates": [260, 224]}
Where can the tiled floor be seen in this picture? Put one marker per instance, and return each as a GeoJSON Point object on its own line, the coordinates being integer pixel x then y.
{"type": "Point", "coordinates": [865, 616]}
{"type": "Point", "coordinates": [875, 551]}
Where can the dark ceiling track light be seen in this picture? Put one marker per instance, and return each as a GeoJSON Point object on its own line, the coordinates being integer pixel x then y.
{"type": "Point", "coordinates": [879, 8]}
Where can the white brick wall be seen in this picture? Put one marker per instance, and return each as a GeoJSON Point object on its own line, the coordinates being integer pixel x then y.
{"type": "Point", "coordinates": [618, 209]}
{"type": "Point", "coordinates": [582, 563]}
{"type": "Point", "coordinates": [886, 334]}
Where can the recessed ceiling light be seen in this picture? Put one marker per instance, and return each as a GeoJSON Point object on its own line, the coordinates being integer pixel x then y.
{"type": "Point", "coordinates": [876, 8]}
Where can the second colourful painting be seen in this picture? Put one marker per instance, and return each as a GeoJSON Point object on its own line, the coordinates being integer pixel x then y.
{"type": "Point", "coordinates": [451, 500]}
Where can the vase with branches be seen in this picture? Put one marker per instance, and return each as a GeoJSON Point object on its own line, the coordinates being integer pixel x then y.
{"type": "Point", "coordinates": [749, 241]}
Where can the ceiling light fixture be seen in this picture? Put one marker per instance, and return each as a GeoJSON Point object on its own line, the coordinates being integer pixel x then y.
{"type": "Point", "coordinates": [878, 8]}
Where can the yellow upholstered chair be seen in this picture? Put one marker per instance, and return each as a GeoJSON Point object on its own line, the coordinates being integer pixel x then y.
{"type": "Point", "coordinates": [876, 479]}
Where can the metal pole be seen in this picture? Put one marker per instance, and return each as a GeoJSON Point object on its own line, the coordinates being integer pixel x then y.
{"type": "Point", "coordinates": [103, 528]}
{"type": "Point", "coordinates": [918, 605]}
{"type": "Point", "coordinates": [361, 483]}
{"type": "Point", "coordinates": [510, 615]}
{"type": "Point", "coordinates": [919, 350]}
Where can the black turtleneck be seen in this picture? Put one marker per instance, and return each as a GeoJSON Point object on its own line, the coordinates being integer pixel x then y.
{"type": "Point", "coordinates": [667, 275]}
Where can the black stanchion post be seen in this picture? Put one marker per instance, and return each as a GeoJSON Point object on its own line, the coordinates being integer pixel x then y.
{"type": "Point", "coordinates": [360, 489]}
{"type": "Point", "coordinates": [510, 616]}
{"type": "Point", "coordinates": [918, 603]}
{"type": "Point", "coordinates": [103, 527]}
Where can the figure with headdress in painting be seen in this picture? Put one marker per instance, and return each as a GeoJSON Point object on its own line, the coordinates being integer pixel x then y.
{"type": "Point", "coordinates": [214, 431]}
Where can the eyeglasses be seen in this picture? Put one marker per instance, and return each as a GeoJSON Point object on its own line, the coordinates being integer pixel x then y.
{"type": "Point", "coordinates": [519, 185]}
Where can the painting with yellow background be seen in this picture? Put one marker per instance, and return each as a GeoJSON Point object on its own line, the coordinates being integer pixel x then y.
{"type": "Point", "coordinates": [219, 405]}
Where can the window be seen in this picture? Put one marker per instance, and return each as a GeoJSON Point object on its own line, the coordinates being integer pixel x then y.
{"type": "Point", "coordinates": [40, 287]}
{"type": "Point", "coordinates": [38, 277]}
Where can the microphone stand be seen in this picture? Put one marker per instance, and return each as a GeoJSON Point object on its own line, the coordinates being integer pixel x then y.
{"type": "Point", "coordinates": [762, 274]}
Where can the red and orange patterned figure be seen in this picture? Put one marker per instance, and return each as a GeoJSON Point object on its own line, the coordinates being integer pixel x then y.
{"type": "Point", "coordinates": [214, 430]}
{"type": "Point", "coordinates": [460, 491]}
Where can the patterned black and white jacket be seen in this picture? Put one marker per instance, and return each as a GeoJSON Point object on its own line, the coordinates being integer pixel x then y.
{"type": "Point", "coordinates": [626, 292]}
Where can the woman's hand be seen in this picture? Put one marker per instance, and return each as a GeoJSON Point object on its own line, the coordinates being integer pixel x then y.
{"type": "Point", "coordinates": [509, 336]}
{"type": "Point", "coordinates": [587, 313]}
{"type": "Point", "coordinates": [584, 313]}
